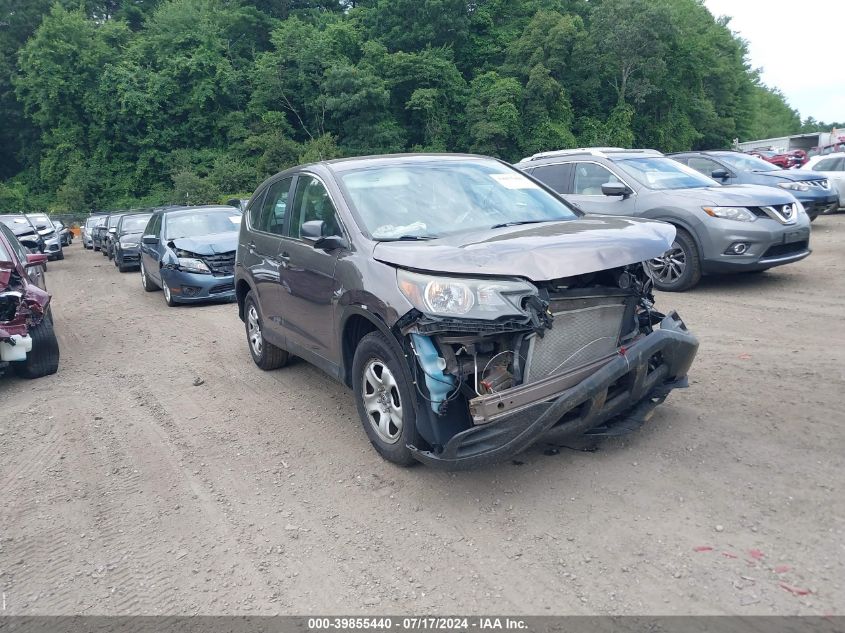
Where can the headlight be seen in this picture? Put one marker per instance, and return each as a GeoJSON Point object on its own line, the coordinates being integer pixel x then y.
{"type": "Point", "coordinates": [192, 265]}
{"type": "Point", "coordinates": [740, 214]}
{"type": "Point", "coordinates": [794, 186]}
{"type": "Point", "coordinates": [129, 245]}
{"type": "Point", "coordinates": [470, 298]}
{"type": "Point", "coordinates": [799, 208]}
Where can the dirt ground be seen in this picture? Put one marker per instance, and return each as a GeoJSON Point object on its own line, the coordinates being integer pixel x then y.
{"type": "Point", "coordinates": [125, 489]}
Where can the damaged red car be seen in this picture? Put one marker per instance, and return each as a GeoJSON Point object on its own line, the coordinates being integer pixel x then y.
{"type": "Point", "coordinates": [28, 343]}
{"type": "Point", "coordinates": [472, 311]}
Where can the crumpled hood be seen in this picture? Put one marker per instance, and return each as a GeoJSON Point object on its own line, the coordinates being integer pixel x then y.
{"type": "Point", "coordinates": [536, 251]}
{"type": "Point", "coordinates": [208, 244]}
{"type": "Point", "coordinates": [731, 195]}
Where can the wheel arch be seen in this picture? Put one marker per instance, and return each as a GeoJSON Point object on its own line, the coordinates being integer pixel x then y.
{"type": "Point", "coordinates": [242, 288]}
{"type": "Point", "coordinates": [356, 323]}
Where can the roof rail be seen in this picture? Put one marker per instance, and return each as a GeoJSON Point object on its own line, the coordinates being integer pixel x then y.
{"type": "Point", "coordinates": [593, 151]}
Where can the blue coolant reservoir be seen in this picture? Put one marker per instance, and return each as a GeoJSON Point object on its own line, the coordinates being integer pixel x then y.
{"type": "Point", "coordinates": [439, 384]}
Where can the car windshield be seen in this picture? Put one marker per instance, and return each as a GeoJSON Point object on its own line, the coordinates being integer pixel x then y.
{"type": "Point", "coordinates": [658, 172]}
{"type": "Point", "coordinates": [204, 222]}
{"type": "Point", "coordinates": [743, 162]}
{"type": "Point", "coordinates": [134, 223]}
{"type": "Point", "coordinates": [432, 199]}
{"type": "Point", "coordinates": [41, 221]}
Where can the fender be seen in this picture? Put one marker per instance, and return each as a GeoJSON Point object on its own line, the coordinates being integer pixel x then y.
{"type": "Point", "coordinates": [661, 214]}
{"type": "Point", "coordinates": [377, 321]}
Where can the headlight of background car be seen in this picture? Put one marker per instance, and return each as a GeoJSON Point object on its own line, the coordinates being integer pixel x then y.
{"type": "Point", "coordinates": [794, 186]}
{"type": "Point", "coordinates": [461, 297]}
{"type": "Point", "coordinates": [192, 265]}
{"type": "Point", "coordinates": [740, 214]}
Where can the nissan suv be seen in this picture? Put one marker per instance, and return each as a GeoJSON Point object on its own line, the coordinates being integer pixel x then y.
{"type": "Point", "coordinates": [470, 309]}
{"type": "Point", "coordinates": [813, 190]}
{"type": "Point", "coordinates": [720, 228]}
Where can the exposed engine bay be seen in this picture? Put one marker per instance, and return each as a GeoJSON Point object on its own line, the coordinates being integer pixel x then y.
{"type": "Point", "coordinates": [478, 371]}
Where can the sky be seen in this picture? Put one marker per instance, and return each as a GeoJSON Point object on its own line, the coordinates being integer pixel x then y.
{"type": "Point", "coordinates": [800, 45]}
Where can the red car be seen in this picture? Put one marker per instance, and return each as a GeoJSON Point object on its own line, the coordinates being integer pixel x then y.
{"type": "Point", "coordinates": [784, 160]}
{"type": "Point", "coordinates": [27, 341]}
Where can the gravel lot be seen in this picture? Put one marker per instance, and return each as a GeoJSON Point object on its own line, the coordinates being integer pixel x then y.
{"type": "Point", "coordinates": [126, 489]}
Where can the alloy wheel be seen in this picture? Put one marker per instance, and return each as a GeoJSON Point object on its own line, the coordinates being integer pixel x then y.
{"type": "Point", "coordinates": [669, 267]}
{"type": "Point", "coordinates": [253, 326]}
{"type": "Point", "coordinates": [382, 401]}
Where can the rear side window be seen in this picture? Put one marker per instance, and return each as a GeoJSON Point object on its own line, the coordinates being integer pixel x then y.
{"type": "Point", "coordinates": [555, 176]}
{"type": "Point", "coordinates": [274, 208]}
{"type": "Point", "coordinates": [589, 177]}
{"type": "Point", "coordinates": [254, 210]}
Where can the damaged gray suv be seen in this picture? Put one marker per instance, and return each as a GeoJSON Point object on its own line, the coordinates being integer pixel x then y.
{"type": "Point", "coordinates": [470, 309]}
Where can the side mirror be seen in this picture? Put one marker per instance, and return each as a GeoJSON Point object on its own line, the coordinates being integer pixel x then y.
{"type": "Point", "coordinates": [616, 189]}
{"type": "Point", "coordinates": [720, 174]}
{"type": "Point", "coordinates": [150, 239]}
{"type": "Point", "coordinates": [35, 259]}
{"type": "Point", "coordinates": [113, 230]}
{"type": "Point", "coordinates": [313, 232]}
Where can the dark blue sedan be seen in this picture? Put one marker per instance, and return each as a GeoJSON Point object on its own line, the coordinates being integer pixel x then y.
{"type": "Point", "coordinates": [812, 190]}
{"type": "Point", "coordinates": [189, 252]}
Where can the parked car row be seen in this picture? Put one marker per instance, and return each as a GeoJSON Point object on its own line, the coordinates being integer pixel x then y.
{"type": "Point", "coordinates": [37, 232]}
{"type": "Point", "coordinates": [472, 306]}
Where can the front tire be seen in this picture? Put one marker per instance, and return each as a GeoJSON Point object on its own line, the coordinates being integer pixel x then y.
{"type": "Point", "coordinates": [61, 255]}
{"type": "Point", "coordinates": [168, 297]}
{"type": "Point", "coordinates": [146, 282]}
{"type": "Point", "coordinates": [384, 399]}
{"type": "Point", "coordinates": [679, 268]}
{"type": "Point", "coordinates": [264, 354]}
{"type": "Point", "coordinates": [43, 360]}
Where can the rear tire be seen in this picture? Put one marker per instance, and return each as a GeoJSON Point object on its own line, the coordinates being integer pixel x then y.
{"type": "Point", "coordinates": [43, 360]}
{"type": "Point", "coordinates": [384, 399]}
{"type": "Point", "coordinates": [264, 354]}
{"type": "Point", "coordinates": [668, 274]}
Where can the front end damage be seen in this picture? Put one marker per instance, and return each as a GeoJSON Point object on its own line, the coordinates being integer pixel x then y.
{"type": "Point", "coordinates": [22, 306]}
{"type": "Point", "coordinates": [588, 355]}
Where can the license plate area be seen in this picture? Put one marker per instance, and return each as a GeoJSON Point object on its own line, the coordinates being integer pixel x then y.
{"type": "Point", "coordinates": [796, 236]}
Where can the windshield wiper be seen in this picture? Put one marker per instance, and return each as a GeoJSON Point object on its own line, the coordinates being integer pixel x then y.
{"type": "Point", "coordinates": [518, 222]}
{"type": "Point", "coordinates": [411, 238]}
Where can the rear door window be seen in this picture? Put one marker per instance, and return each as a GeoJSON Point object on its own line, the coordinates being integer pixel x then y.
{"type": "Point", "coordinates": [275, 208]}
{"type": "Point", "coordinates": [556, 177]}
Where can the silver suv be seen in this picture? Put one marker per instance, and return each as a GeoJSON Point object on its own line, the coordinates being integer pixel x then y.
{"type": "Point", "coordinates": [720, 229]}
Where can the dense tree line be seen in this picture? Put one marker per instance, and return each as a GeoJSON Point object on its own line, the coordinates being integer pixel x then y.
{"type": "Point", "coordinates": [112, 103]}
